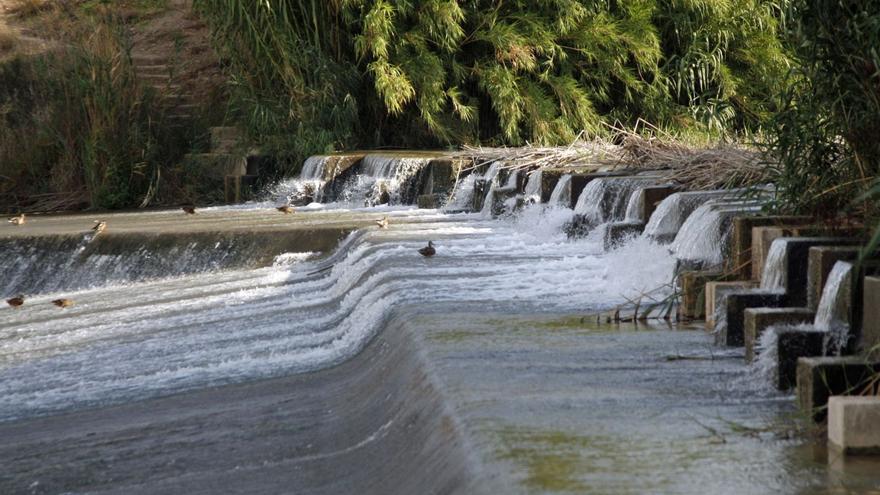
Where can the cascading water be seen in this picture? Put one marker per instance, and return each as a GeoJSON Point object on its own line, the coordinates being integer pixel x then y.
{"type": "Point", "coordinates": [775, 266]}
{"type": "Point", "coordinates": [704, 236]}
{"type": "Point", "coordinates": [532, 193]}
{"type": "Point", "coordinates": [561, 195]}
{"type": "Point", "coordinates": [308, 187]}
{"type": "Point", "coordinates": [465, 189]}
{"type": "Point", "coordinates": [636, 206]}
{"type": "Point", "coordinates": [833, 313]}
{"type": "Point", "coordinates": [607, 199]}
{"type": "Point", "coordinates": [383, 179]}
{"type": "Point", "coordinates": [672, 212]}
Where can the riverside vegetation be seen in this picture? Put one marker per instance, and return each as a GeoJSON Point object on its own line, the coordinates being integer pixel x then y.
{"type": "Point", "coordinates": [798, 78]}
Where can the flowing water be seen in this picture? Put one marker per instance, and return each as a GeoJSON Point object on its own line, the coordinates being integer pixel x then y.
{"type": "Point", "coordinates": [202, 316]}
{"type": "Point", "coordinates": [561, 195]}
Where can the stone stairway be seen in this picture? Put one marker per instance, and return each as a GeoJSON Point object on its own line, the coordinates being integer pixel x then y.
{"type": "Point", "coordinates": [157, 73]}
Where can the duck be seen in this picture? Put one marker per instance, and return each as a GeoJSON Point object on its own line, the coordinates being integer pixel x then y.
{"type": "Point", "coordinates": [383, 223]}
{"type": "Point", "coordinates": [428, 250]}
{"type": "Point", "coordinates": [100, 226]}
{"type": "Point", "coordinates": [189, 210]}
{"type": "Point", "coordinates": [286, 209]}
{"type": "Point", "coordinates": [19, 220]}
{"type": "Point", "coordinates": [16, 302]}
{"type": "Point", "coordinates": [63, 303]}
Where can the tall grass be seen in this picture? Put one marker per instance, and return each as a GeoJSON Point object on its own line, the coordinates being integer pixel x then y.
{"type": "Point", "coordinates": [76, 126]}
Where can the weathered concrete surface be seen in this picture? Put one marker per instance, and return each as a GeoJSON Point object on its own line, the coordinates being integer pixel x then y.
{"type": "Point", "coordinates": [821, 261]}
{"type": "Point", "coordinates": [819, 378]}
{"type": "Point", "coordinates": [739, 263]}
{"type": "Point", "coordinates": [763, 237]}
{"type": "Point", "coordinates": [870, 338]}
{"type": "Point", "coordinates": [854, 424]}
{"type": "Point", "coordinates": [733, 332]}
{"type": "Point", "coordinates": [693, 292]}
{"type": "Point", "coordinates": [757, 320]}
{"type": "Point", "coordinates": [793, 344]}
{"type": "Point", "coordinates": [797, 271]}
{"type": "Point", "coordinates": [617, 233]}
{"type": "Point", "coordinates": [715, 292]}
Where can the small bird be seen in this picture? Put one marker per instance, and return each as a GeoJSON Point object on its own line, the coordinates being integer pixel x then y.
{"type": "Point", "coordinates": [286, 209]}
{"type": "Point", "coordinates": [63, 303]}
{"type": "Point", "coordinates": [19, 220]}
{"type": "Point", "coordinates": [99, 227]}
{"type": "Point", "coordinates": [429, 250]}
{"type": "Point", "coordinates": [16, 302]}
{"type": "Point", "coordinates": [189, 210]}
{"type": "Point", "coordinates": [383, 224]}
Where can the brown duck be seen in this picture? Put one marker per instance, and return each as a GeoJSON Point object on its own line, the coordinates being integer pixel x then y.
{"type": "Point", "coordinates": [19, 220]}
{"type": "Point", "coordinates": [286, 209]}
{"type": "Point", "coordinates": [383, 223]}
{"type": "Point", "coordinates": [428, 250]}
{"type": "Point", "coordinates": [189, 210]}
{"type": "Point", "coordinates": [63, 303]}
{"type": "Point", "coordinates": [16, 302]}
{"type": "Point", "coordinates": [99, 227]}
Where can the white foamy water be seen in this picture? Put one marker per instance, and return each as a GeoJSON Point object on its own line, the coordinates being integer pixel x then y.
{"type": "Point", "coordinates": [775, 266]}
{"type": "Point", "coordinates": [561, 195]}
{"type": "Point", "coordinates": [704, 236]}
{"type": "Point", "coordinates": [833, 313]}
{"type": "Point", "coordinates": [143, 339]}
{"type": "Point", "coordinates": [532, 192]}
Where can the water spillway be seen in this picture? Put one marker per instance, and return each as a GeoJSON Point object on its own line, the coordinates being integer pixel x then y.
{"type": "Point", "coordinates": [355, 364]}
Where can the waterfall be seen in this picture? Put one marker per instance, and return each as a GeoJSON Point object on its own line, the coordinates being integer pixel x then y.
{"type": "Point", "coordinates": [561, 195]}
{"type": "Point", "coordinates": [607, 199]}
{"type": "Point", "coordinates": [672, 212]}
{"type": "Point", "coordinates": [313, 168]}
{"type": "Point", "coordinates": [703, 237]}
{"type": "Point", "coordinates": [636, 206]}
{"type": "Point", "coordinates": [308, 187]}
{"type": "Point", "coordinates": [832, 315]}
{"type": "Point", "coordinates": [533, 187]}
{"type": "Point", "coordinates": [775, 266]}
{"type": "Point", "coordinates": [383, 179]}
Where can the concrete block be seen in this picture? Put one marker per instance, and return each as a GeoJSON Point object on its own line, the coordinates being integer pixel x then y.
{"type": "Point", "coordinates": [654, 195]}
{"type": "Point", "coordinates": [733, 332]}
{"type": "Point", "coordinates": [820, 261]}
{"type": "Point", "coordinates": [797, 271]}
{"type": "Point", "coordinates": [793, 344]}
{"type": "Point", "coordinates": [870, 331]}
{"type": "Point", "coordinates": [762, 238]}
{"type": "Point", "coordinates": [618, 232]}
{"type": "Point", "coordinates": [693, 292]}
{"type": "Point", "coordinates": [854, 424]}
{"type": "Point", "coordinates": [756, 320]}
{"type": "Point", "coordinates": [716, 290]}
{"type": "Point", "coordinates": [822, 377]}
{"type": "Point", "coordinates": [739, 262]}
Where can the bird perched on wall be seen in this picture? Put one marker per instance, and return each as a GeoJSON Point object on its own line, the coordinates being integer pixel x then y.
{"type": "Point", "coordinates": [286, 209]}
{"type": "Point", "coordinates": [19, 220]}
{"type": "Point", "coordinates": [383, 223]}
{"type": "Point", "coordinates": [428, 250]}
{"type": "Point", "coordinates": [99, 227]}
{"type": "Point", "coordinates": [16, 302]}
{"type": "Point", "coordinates": [189, 210]}
{"type": "Point", "coordinates": [63, 303]}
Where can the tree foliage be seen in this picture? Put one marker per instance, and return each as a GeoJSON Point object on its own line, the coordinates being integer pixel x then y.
{"type": "Point", "coordinates": [433, 72]}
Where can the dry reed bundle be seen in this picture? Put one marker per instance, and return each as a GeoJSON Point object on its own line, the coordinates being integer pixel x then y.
{"type": "Point", "coordinates": [725, 165]}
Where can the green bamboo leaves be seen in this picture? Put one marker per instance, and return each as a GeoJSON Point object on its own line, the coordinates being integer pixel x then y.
{"type": "Point", "coordinates": [508, 72]}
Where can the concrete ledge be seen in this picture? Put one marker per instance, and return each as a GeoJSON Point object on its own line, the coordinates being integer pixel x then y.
{"type": "Point", "coordinates": [870, 336]}
{"type": "Point", "coordinates": [715, 291]}
{"type": "Point", "coordinates": [819, 378]}
{"type": "Point", "coordinates": [654, 195]}
{"type": "Point", "coordinates": [756, 320]}
{"type": "Point", "coordinates": [793, 344]}
{"type": "Point", "coordinates": [821, 261]}
{"type": "Point", "coordinates": [693, 292]}
{"type": "Point", "coordinates": [740, 260]}
{"type": "Point", "coordinates": [854, 424]}
{"type": "Point", "coordinates": [619, 232]}
{"type": "Point", "coordinates": [733, 333]}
